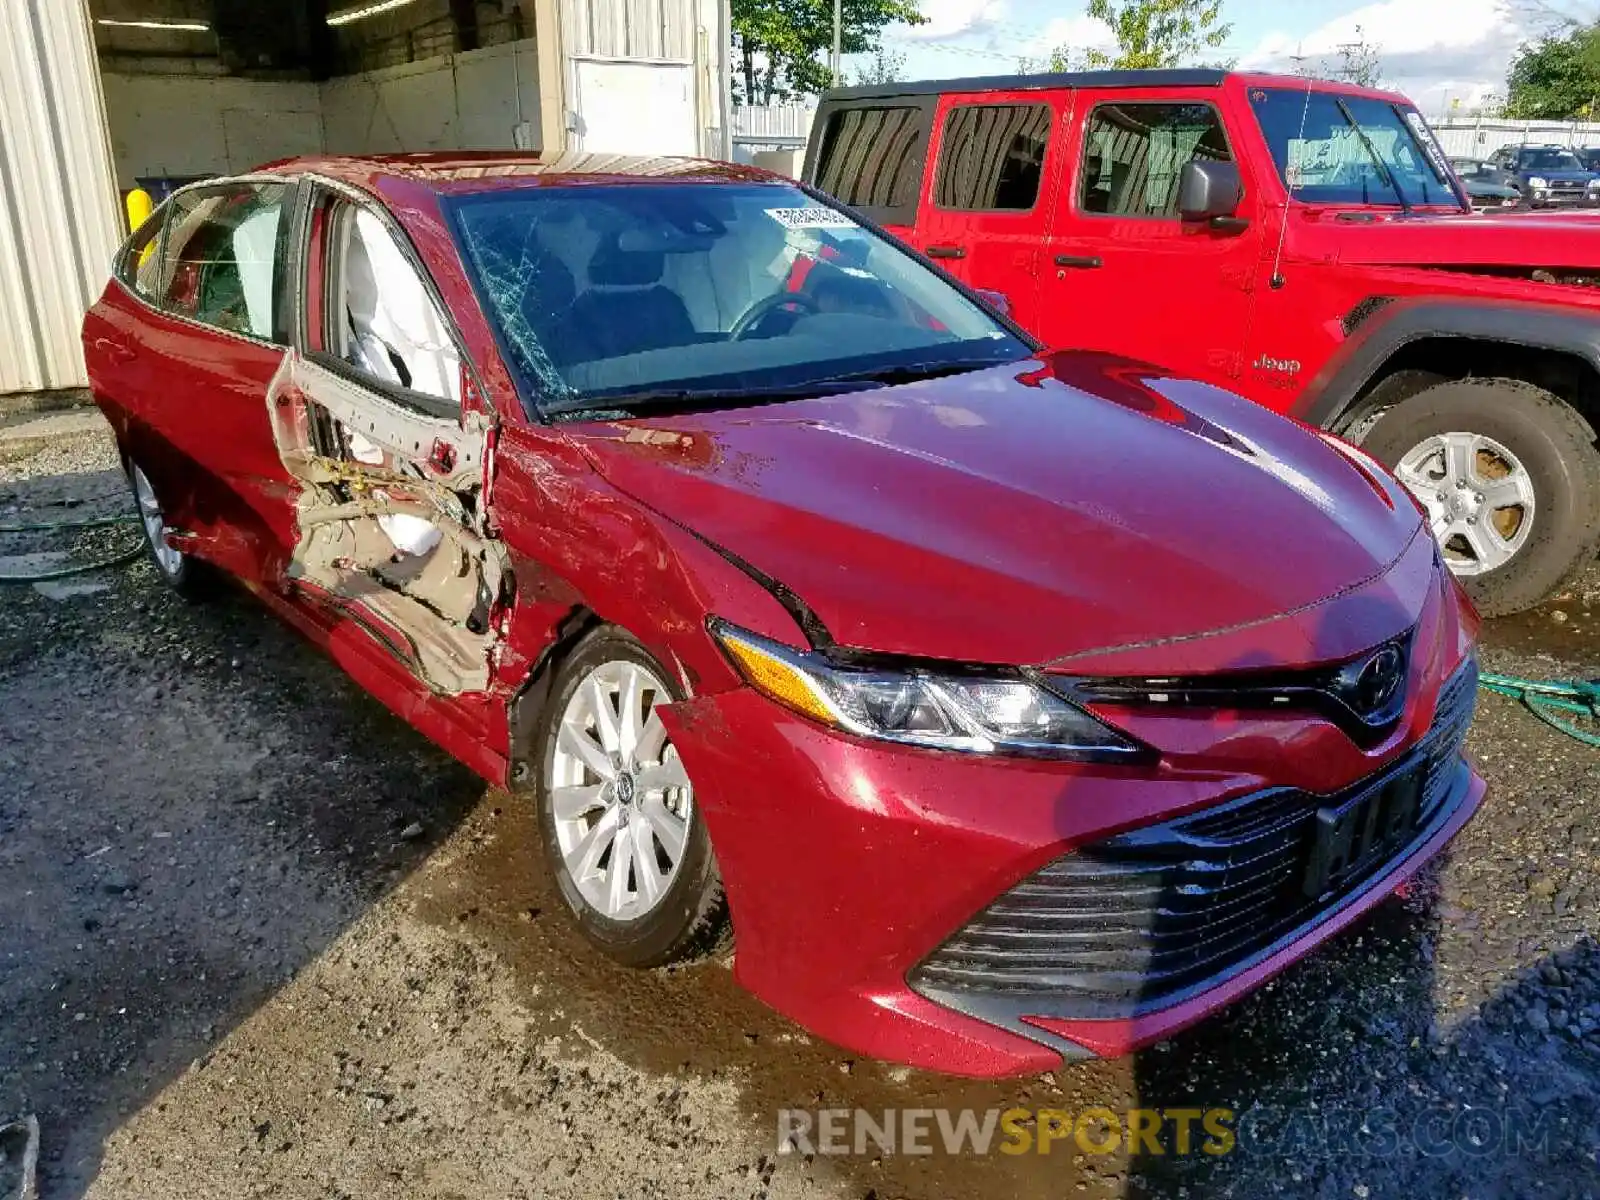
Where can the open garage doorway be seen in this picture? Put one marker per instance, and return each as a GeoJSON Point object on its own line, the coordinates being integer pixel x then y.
{"type": "Point", "coordinates": [191, 89]}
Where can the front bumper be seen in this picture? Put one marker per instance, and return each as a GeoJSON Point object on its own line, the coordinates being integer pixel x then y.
{"type": "Point", "coordinates": [849, 864]}
{"type": "Point", "coordinates": [1562, 198]}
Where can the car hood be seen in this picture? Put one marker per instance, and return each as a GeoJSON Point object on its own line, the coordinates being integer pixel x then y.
{"type": "Point", "coordinates": [1444, 239]}
{"type": "Point", "coordinates": [1020, 514]}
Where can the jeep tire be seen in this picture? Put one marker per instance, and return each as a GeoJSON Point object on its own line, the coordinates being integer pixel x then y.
{"type": "Point", "coordinates": [1547, 440]}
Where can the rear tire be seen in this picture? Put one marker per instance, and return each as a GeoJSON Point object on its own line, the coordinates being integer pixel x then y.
{"type": "Point", "coordinates": [184, 574]}
{"type": "Point", "coordinates": [1518, 512]}
{"type": "Point", "coordinates": [666, 902]}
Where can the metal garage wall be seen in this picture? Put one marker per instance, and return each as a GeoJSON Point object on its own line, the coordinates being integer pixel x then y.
{"type": "Point", "coordinates": [59, 216]}
{"type": "Point", "coordinates": [644, 76]}
{"type": "Point", "coordinates": [653, 29]}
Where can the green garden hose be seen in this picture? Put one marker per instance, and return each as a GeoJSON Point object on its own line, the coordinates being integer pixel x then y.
{"type": "Point", "coordinates": [115, 560]}
{"type": "Point", "coordinates": [1547, 700]}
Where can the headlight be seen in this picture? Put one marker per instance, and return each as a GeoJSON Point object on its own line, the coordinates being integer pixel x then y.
{"type": "Point", "coordinates": [980, 713]}
{"type": "Point", "coordinates": [1592, 186]}
{"type": "Point", "coordinates": [1537, 183]}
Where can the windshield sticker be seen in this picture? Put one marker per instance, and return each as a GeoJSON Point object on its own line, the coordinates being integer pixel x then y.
{"type": "Point", "coordinates": [815, 217]}
{"type": "Point", "coordinates": [1429, 144]}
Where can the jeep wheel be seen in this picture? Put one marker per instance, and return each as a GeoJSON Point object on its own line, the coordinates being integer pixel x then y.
{"type": "Point", "coordinates": [1510, 478]}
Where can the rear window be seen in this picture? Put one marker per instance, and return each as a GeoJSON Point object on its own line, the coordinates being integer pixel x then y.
{"type": "Point", "coordinates": [992, 156]}
{"type": "Point", "coordinates": [871, 158]}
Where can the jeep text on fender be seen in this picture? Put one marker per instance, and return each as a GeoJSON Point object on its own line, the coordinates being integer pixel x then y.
{"type": "Point", "coordinates": [1302, 243]}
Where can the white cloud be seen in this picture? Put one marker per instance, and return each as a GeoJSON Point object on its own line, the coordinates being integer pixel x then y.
{"type": "Point", "coordinates": [1079, 33]}
{"type": "Point", "coordinates": [954, 18]}
{"type": "Point", "coordinates": [1429, 49]}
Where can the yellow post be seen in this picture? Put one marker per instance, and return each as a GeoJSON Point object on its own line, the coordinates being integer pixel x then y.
{"type": "Point", "coordinates": [139, 208]}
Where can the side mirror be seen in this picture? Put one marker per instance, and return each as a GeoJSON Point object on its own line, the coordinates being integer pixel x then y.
{"type": "Point", "coordinates": [1210, 191]}
{"type": "Point", "coordinates": [998, 301]}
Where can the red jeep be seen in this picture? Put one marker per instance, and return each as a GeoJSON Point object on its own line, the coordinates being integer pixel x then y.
{"type": "Point", "coordinates": [1302, 243]}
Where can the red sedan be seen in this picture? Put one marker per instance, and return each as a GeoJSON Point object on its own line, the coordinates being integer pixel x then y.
{"type": "Point", "coordinates": [1007, 707]}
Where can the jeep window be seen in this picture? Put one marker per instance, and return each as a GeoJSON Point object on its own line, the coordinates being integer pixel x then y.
{"type": "Point", "coordinates": [871, 157]}
{"type": "Point", "coordinates": [653, 294]}
{"type": "Point", "coordinates": [1133, 155]}
{"type": "Point", "coordinates": [992, 156]}
{"type": "Point", "coordinates": [1326, 159]}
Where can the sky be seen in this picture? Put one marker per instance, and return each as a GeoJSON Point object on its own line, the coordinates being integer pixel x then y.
{"type": "Point", "coordinates": [1445, 54]}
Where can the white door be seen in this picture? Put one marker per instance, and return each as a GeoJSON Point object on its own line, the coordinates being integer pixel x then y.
{"type": "Point", "coordinates": [635, 108]}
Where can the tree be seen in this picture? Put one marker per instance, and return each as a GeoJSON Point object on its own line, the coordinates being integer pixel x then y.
{"type": "Point", "coordinates": [1358, 62]}
{"type": "Point", "coordinates": [886, 66]}
{"type": "Point", "coordinates": [1149, 34]}
{"type": "Point", "coordinates": [782, 45]}
{"type": "Point", "coordinates": [1557, 77]}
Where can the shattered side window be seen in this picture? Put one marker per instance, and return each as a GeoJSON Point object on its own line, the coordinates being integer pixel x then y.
{"type": "Point", "coordinates": [387, 325]}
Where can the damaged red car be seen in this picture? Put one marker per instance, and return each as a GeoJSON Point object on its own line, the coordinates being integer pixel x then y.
{"type": "Point", "coordinates": [1006, 706]}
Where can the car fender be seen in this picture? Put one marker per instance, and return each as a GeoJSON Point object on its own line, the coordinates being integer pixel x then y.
{"type": "Point", "coordinates": [1389, 325]}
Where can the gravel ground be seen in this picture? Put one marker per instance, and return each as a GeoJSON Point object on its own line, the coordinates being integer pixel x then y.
{"type": "Point", "coordinates": [261, 939]}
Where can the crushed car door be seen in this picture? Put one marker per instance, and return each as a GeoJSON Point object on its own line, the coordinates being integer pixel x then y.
{"type": "Point", "coordinates": [370, 420]}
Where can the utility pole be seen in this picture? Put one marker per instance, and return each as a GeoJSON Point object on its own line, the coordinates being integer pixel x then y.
{"type": "Point", "coordinates": [838, 27]}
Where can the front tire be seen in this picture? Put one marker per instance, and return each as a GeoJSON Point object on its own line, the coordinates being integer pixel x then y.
{"type": "Point", "coordinates": [621, 829]}
{"type": "Point", "coordinates": [1510, 477]}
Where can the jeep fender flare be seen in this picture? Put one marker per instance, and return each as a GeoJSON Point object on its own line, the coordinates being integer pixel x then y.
{"type": "Point", "coordinates": [1395, 324]}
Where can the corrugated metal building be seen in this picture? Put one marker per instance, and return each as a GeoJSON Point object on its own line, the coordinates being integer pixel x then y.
{"type": "Point", "coordinates": [59, 216]}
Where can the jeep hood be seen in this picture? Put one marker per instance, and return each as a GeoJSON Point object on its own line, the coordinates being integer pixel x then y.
{"type": "Point", "coordinates": [1023, 513]}
{"type": "Point", "coordinates": [1442, 240]}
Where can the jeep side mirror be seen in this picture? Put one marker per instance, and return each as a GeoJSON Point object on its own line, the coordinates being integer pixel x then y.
{"type": "Point", "coordinates": [1210, 191]}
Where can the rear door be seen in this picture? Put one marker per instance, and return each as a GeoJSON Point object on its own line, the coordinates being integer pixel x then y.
{"type": "Point", "coordinates": [207, 346]}
{"type": "Point", "coordinates": [985, 208]}
{"type": "Point", "coordinates": [1123, 271]}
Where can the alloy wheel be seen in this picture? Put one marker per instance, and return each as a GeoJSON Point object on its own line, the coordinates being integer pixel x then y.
{"type": "Point", "coordinates": [155, 525]}
{"type": "Point", "coordinates": [1478, 495]}
{"type": "Point", "coordinates": [619, 795]}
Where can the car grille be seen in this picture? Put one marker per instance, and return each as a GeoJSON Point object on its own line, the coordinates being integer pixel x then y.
{"type": "Point", "coordinates": [1137, 920]}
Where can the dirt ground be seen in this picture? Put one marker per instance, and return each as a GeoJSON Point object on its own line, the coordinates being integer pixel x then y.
{"type": "Point", "coordinates": [261, 939]}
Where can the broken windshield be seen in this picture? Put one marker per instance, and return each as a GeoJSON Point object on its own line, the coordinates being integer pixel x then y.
{"type": "Point", "coordinates": [1344, 149]}
{"type": "Point", "coordinates": [665, 293]}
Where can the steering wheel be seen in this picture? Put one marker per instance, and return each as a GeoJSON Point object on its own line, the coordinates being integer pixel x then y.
{"type": "Point", "coordinates": [764, 307]}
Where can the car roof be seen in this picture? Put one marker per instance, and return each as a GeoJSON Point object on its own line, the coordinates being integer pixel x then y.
{"type": "Point", "coordinates": [472, 170]}
{"type": "Point", "coordinates": [1049, 80]}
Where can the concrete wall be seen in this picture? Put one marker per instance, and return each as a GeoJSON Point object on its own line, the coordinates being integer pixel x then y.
{"type": "Point", "coordinates": [173, 125]}
{"type": "Point", "coordinates": [462, 101]}
{"type": "Point", "coordinates": [185, 125]}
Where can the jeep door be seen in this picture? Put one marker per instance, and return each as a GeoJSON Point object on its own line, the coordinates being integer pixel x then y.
{"type": "Point", "coordinates": [1122, 271]}
{"type": "Point", "coordinates": [985, 206]}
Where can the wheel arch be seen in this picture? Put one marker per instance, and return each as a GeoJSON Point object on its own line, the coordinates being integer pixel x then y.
{"type": "Point", "coordinates": [1399, 347]}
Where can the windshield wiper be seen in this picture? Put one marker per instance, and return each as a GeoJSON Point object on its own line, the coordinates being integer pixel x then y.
{"type": "Point", "coordinates": [633, 404]}
{"type": "Point", "coordinates": [1384, 172]}
{"type": "Point", "coordinates": [911, 372]}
